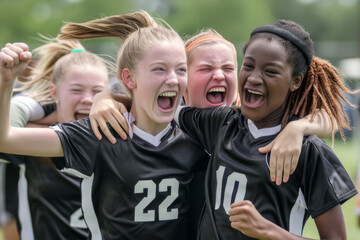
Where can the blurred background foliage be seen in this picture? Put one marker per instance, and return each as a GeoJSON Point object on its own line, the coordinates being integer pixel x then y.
{"type": "Point", "coordinates": [333, 24]}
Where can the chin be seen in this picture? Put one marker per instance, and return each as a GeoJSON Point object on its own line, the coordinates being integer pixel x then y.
{"type": "Point", "coordinates": [165, 119]}
{"type": "Point", "coordinates": [248, 113]}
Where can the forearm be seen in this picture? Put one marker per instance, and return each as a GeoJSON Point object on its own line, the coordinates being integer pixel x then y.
{"type": "Point", "coordinates": [245, 218]}
{"type": "Point", "coordinates": [274, 232]}
{"type": "Point", "coordinates": [319, 124]}
{"type": "Point", "coordinates": [14, 58]}
{"type": "Point", "coordinates": [122, 98]}
{"type": "Point", "coordinates": [6, 91]}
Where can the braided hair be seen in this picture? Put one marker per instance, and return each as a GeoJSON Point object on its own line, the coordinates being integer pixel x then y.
{"type": "Point", "coordinates": [322, 86]}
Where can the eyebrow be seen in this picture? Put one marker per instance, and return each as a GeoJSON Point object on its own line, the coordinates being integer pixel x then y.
{"type": "Point", "coordinates": [158, 62]}
{"type": "Point", "coordinates": [82, 85]}
{"type": "Point", "coordinates": [209, 64]}
{"type": "Point", "coordinates": [165, 63]}
{"type": "Point", "coordinates": [273, 64]}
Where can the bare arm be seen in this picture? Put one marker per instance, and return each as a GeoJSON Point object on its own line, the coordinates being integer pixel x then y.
{"type": "Point", "coordinates": [13, 60]}
{"type": "Point", "coordinates": [286, 148]}
{"type": "Point", "coordinates": [331, 224]}
{"type": "Point", "coordinates": [245, 218]}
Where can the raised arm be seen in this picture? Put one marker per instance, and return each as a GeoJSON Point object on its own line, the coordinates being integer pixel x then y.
{"type": "Point", "coordinates": [286, 147]}
{"type": "Point", "coordinates": [14, 58]}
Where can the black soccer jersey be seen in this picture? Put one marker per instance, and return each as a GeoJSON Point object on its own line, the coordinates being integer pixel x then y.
{"type": "Point", "coordinates": [49, 201]}
{"type": "Point", "coordinates": [134, 189]}
{"type": "Point", "coordinates": [237, 171]}
{"type": "Point", "coordinates": [10, 179]}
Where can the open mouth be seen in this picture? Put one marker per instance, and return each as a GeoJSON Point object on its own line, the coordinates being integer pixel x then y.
{"type": "Point", "coordinates": [166, 101]}
{"type": "Point", "coordinates": [253, 98]}
{"type": "Point", "coordinates": [216, 95]}
{"type": "Point", "coordinates": [82, 114]}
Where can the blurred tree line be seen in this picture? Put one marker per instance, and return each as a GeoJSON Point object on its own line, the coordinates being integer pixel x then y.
{"type": "Point", "coordinates": [333, 24]}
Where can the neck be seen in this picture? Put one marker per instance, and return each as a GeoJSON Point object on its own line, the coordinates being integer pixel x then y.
{"type": "Point", "coordinates": [271, 120]}
{"type": "Point", "coordinates": [148, 125]}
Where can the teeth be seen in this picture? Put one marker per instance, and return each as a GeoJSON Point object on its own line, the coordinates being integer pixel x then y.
{"type": "Point", "coordinates": [83, 112]}
{"type": "Point", "coordinates": [217, 89]}
{"type": "Point", "coordinates": [168, 94]}
{"type": "Point", "coordinates": [254, 92]}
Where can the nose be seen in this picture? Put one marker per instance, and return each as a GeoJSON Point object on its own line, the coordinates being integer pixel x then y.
{"type": "Point", "coordinates": [218, 75]}
{"type": "Point", "coordinates": [172, 78]}
{"type": "Point", "coordinates": [87, 98]}
{"type": "Point", "coordinates": [254, 78]}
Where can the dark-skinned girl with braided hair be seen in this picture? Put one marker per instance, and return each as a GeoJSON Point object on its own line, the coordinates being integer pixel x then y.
{"type": "Point", "coordinates": [279, 81]}
{"type": "Point", "coordinates": [138, 188]}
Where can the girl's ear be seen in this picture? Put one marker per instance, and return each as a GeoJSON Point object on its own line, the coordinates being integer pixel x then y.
{"type": "Point", "coordinates": [53, 92]}
{"type": "Point", "coordinates": [128, 78]}
{"type": "Point", "coordinates": [296, 83]}
{"type": "Point", "coordinates": [186, 96]}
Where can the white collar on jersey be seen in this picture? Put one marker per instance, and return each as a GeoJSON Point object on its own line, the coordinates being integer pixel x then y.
{"type": "Point", "coordinates": [263, 131]}
{"type": "Point", "coordinates": [133, 129]}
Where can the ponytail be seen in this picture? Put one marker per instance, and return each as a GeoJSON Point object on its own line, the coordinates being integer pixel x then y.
{"type": "Point", "coordinates": [322, 88]}
{"type": "Point", "coordinates": [114, 26]}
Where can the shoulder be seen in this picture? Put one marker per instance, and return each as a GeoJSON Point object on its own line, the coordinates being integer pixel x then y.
{"type": "Point", "coordinates": [315, 149]}
{"type": "Point", "coordinates": [81, 124]}
{"type": "Point", "coordinates": [75, 130]}
{"type": "Point", "coordinates": [316, 144]}
{"type": "Point", "coordinates": [32, 108]}
{"type": "Point", "coordinates": [209, 113]}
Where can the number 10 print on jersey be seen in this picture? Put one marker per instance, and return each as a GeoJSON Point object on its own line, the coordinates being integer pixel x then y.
{"type": "Point", "coordinates": [235, 188]}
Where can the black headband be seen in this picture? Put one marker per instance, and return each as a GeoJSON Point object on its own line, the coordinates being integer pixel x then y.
{"type": "Point", "coordinates": [287, 35]}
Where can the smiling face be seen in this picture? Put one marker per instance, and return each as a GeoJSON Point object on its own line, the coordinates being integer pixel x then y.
{"type": "Point", "coordinates": [265, 80]}
{"type": "Point", "coordinates": [76, 92]}
{"type": "Point", "coordinates": [160, 81]}
{"type": "Point", "coordinates": [212, 76]}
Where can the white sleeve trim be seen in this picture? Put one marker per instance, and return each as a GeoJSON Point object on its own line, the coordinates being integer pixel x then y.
{"type": "Point", "coordinates": [177, 112]}
{"type": "Point", "coordinates": [74, 172]}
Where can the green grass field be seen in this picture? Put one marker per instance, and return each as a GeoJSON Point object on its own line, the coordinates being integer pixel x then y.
{"type": "Point", "coordinates": [348, 154]}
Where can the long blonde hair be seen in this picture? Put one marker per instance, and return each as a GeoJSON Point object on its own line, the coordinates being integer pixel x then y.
{"type": "Point", "coordinates": [138, 30]}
